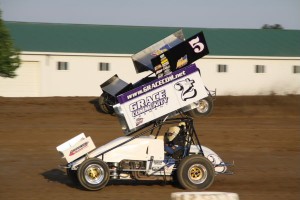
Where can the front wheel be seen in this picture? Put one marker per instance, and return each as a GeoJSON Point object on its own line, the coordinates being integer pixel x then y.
{"type": "Point", "coordinates": [195, 173]}
{"type": "Point", "coordinates": [93, 174]}
{"type": "Point", "coordinates": [204, 108]}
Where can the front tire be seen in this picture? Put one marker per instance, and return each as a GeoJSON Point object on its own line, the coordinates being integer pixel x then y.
{"type": "Point", "coordinates": [93, 174]}
{"type": "Point", "coordinates": [195, 173]}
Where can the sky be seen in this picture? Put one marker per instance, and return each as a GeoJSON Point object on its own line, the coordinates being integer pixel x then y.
{"type": "Point", "coordinates": [243, 14]}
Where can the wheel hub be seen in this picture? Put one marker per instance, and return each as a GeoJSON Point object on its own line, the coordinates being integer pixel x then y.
{"type": "Point", "coordinates": [94, 174]}
{"type": "Point", "coordinates": [203, 106]}
{"type": "Point", "coordinates": [197, 174]}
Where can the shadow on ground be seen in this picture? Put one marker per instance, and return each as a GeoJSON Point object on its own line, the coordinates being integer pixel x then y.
{"type": "Point", "coordinates": [59, 176]}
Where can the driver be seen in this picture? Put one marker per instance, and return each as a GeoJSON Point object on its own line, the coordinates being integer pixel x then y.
{"type": "Point", "coordinates": [174, 139]}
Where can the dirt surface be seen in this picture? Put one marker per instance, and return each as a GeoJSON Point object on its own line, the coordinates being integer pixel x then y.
{"type": "Point", "coordinates": [261, 135]}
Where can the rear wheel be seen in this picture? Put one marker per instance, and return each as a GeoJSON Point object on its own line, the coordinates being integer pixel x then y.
{"type": "Point", "coordinates": [195, 173]}
{"type": "Point", "coordinates": [93, 174]}
{"type": "Point", "coordinates": [204, 108]}
{"type": "Point", "coordinates": [104, 107]}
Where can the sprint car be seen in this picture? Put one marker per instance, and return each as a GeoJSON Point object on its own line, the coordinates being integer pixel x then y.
{"type": "Point", "coordinates": [144, 156]}
{"type": "Point", "coordinates": [157, 145]}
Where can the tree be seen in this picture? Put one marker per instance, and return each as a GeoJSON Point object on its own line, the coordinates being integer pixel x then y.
{"type": "Point", "coordinates": [275, 26]}
{"type": "Point", "coordinates": [9, 55]}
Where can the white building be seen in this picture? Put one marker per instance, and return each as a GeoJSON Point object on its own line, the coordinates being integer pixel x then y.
{"type": "Point", "coordinates": [73, 60]}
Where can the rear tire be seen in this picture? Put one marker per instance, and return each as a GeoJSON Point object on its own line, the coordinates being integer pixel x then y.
{"type": "Point", "coordinates": [204, 108]}
{"type": "Point", "coordinates": [195, 173]}
{"type": "Point", "coordinates": [93, 174]}
{"type": "Point", "coordinates": [104, 107]}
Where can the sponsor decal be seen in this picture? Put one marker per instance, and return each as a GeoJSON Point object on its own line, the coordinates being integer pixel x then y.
{"type": "Point", "coordinates": [182, 62]}
{"type": "Point", "coordinates": [158, 67]}
{"type": "Point", "coordinates": [212, 159]}
{"type": "Point", "coordinates": [164, 63]}
{"type": "Point", "coordinates": [156, 84]}
{"type": "Point", "coordinates": [79, 148]}
{"type": "Point", "coordinates": [139, 121]}
{"type": "Point", "coordinates": [187, 88]}
{"type": "Point", "coordinates": [148, 103]}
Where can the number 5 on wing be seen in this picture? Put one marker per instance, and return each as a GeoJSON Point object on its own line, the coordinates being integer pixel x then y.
{"type": "Point", "coordinates": [196, 45]}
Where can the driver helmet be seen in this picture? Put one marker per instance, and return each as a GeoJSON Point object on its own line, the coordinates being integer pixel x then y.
{"type": "Point", "coordinates": [182, 125]}
{"type": "Point", "coordinates": [172, 132]}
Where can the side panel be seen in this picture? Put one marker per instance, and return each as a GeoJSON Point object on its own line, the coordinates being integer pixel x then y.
{"type": "Point", "coordinates": [141, 148]}
{"type": "Point", "coordinates": [156, 149]}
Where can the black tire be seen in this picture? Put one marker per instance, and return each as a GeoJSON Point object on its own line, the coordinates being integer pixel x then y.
{"type": "Point", "coordinates": [195, 173]}
{"type": "Point", "coordinates": [93, 174]}
{"type": "Point", "coordinates": [104, 107]}
{"type": "Point", "coordinates": [72, 174]}
{"type": "Point", "coordinates": [204, 108]}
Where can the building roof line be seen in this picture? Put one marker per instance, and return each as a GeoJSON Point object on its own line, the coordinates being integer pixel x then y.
{"type": "Point", "coordinates": [112, 39]}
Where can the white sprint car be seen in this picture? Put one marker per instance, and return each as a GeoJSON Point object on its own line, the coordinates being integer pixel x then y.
{"type": "Point", "coordinates": [145, 156]}
{"type": "Point", "coordinates": [156, 146]}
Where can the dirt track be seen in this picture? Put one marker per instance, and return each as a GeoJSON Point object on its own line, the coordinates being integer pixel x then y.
{"type": "Point", "coordinates": [261, 135]}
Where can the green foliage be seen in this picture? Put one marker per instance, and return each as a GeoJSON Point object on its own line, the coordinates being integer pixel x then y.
{"type": "Point", "coordinates": [275, 26]}
{"type": "Point", "coordinates": [9, 55]}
